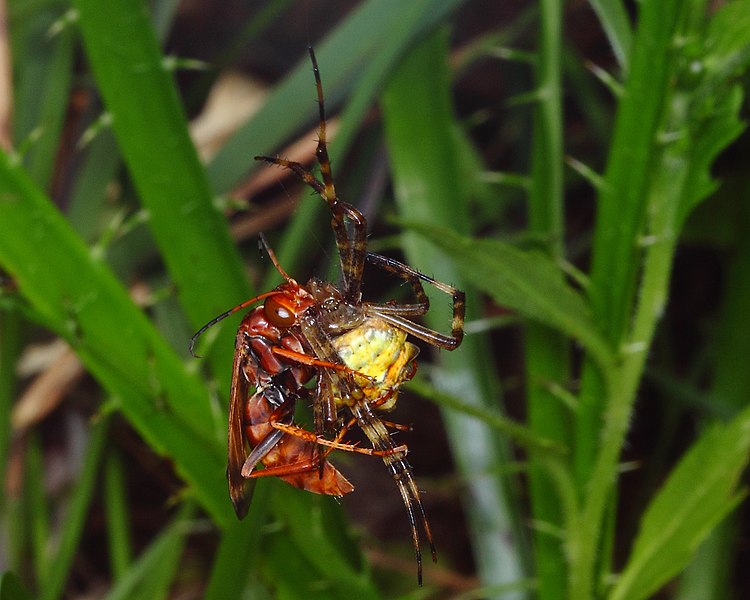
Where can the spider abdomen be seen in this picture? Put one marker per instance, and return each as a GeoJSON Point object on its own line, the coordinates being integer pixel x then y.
{"type": "Point", "coordinates": [380, 352]}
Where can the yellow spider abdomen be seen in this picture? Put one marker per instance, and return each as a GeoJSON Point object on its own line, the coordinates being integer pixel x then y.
{"type": "Point", "coordinates": [381, 352]}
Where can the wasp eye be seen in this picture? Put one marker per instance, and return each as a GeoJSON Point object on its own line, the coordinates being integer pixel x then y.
{"type": "Point", "coordinates": [278, 312]}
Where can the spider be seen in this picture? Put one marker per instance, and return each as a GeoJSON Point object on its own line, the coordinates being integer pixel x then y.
{"type": "Point", "coordinates": [358, 350]}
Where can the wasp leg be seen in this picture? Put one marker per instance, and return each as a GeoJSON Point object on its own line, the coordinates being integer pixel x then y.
{"type": "Point", "coordinates": [315, 362]}
{"type": "Point", "coordinates": [260, 451]}
{"type": "Point", "coordinates": [309, 436]}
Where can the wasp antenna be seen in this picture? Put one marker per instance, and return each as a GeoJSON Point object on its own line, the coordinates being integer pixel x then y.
{"type": "Point", "coordinates": [202, 330]}
{"type": "Point", "coordinates": [272, 255]}
{"type": "Point", "coordinates": [223, 316]}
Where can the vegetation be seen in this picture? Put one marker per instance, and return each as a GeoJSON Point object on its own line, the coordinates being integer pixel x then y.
{"type": "Point", "coordinates": [550, 511]}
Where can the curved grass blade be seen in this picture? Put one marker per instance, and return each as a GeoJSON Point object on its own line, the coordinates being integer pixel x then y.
{"type": "Point", "coordinates": [79, 298]}
{"type": "Point", "coordinates": [700, 491]}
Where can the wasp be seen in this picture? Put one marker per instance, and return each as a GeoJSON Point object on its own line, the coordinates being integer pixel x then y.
{"type": "Point", "coordinates": [278, 387]}
{"type": "Point", "coordinates": [356, 351]}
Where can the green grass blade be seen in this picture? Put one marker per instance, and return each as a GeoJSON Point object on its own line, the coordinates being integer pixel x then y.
{"type": "Point", "coordinates": [710, 572]}
{"type": "Point", "coordinates": [523, 436]}
{"type": "Point", "coordinates": [148, 575]}
{"type": "Point", "coordinates": [622, 203]}
{"type": "Point", "coordinates": [88, 196]}
{"type": "Point", "coordinates": [616, 24]}
{"type": "Point", "coordinates": [79, 298]}
{"type": "Point", "coordinates": [239, 552]}
{"type": "Point", "coordinates": [11, 325]}
{"type": "Point", "coordinates": [41, 95]}
{"type": "Point", "coordinates": [37, 510]}
{"type": "Point", "coordinates": [675, 179]}
{"type": "Point", "coordinates": [621, 214]}
{"type": "Point", "coordinates": [547, 350]}
{"type": "Point", "coordinates": [344, 57]}
{"type": "Point", "coordinates": [11, 588]}
{"type": "Point", "coordinates": [53, 584]}
{"type": "Point", "coordinates": [421, 138]}
{"type": "Point", "coordinates": [322, 544]}
{"type": "Point", "coordinates": [150, 127]}
{"type": "Point", "coordinates": [115, 501]}
{"type": "Point", "coordinates": [527, 282]}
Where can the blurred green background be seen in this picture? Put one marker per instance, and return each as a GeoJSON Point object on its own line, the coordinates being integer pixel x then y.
{"type": "Point", "coordinates": [579, 168]}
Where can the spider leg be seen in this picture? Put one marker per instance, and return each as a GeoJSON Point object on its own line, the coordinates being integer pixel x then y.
{"type": "Point", "coordinates": [324, 408]}
{"type": "Point", "coordinates": [394, 314]}
{"type": "Point", "coordinates": [402, 474]}
{"type": "Point", "coordinates": [410, 276]}
{"type": "Point", "coordinates": [311, 361]}
{"type": "Point", "coordinates": [352, 249]}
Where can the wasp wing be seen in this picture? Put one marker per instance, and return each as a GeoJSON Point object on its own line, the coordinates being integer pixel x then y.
{"type": "Point", "coordinates": [240, 489]}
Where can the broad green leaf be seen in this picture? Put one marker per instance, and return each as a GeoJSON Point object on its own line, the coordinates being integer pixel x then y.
{"type": "Point", "coordinates": [151, 132]}
{"type": "Point", "coordinates": [525, 281]}
{"type": "Point", "coordinates": [77, 296]}
{"type": "Point", "coordinates": [700, 491]}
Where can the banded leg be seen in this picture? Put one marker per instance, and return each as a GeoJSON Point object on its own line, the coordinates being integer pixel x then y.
{"type": "Point", "coordinates": [352, 249]}
{"type": "Point", "coordinates": [402, 474]}
{"type": "Point", "coordinates": [394, 314]}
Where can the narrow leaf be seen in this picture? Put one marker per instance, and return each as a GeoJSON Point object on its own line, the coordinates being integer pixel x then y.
{"type": "Point", "coordinates": [150, 127]}
{"type": "Point", "coordinates": [527, 282]}
{"type": "Point", "coordinates": [700, 491]}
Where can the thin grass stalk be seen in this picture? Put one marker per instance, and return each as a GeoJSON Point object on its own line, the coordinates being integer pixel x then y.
{"type": "Point", "coordinates": [546, 350]}
{"type": "Point", "coordinates": [116, 506]}
{"type": "Point", "coordinates": [11, 329]}
{"type": "Point", "coordinates": [615, 268]}
{"type": "Point", "coordinates": [616, 23]}
{"type": "Point", "coordinates": [139, 581]}
{"type": "Point", "coordinates": [36, 510]}
{"type": "Point", "coordinates": [621, 211]}
{"type": "Point", "coordinates": [42, 93]}
{"type": "Point", "coordinates": [53, 584]}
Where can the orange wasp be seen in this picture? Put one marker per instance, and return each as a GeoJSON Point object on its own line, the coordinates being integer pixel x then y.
{"type": "Point", "coordinates": [277, 389]}
{"type": "Point", "coordinates": [358, 352]}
